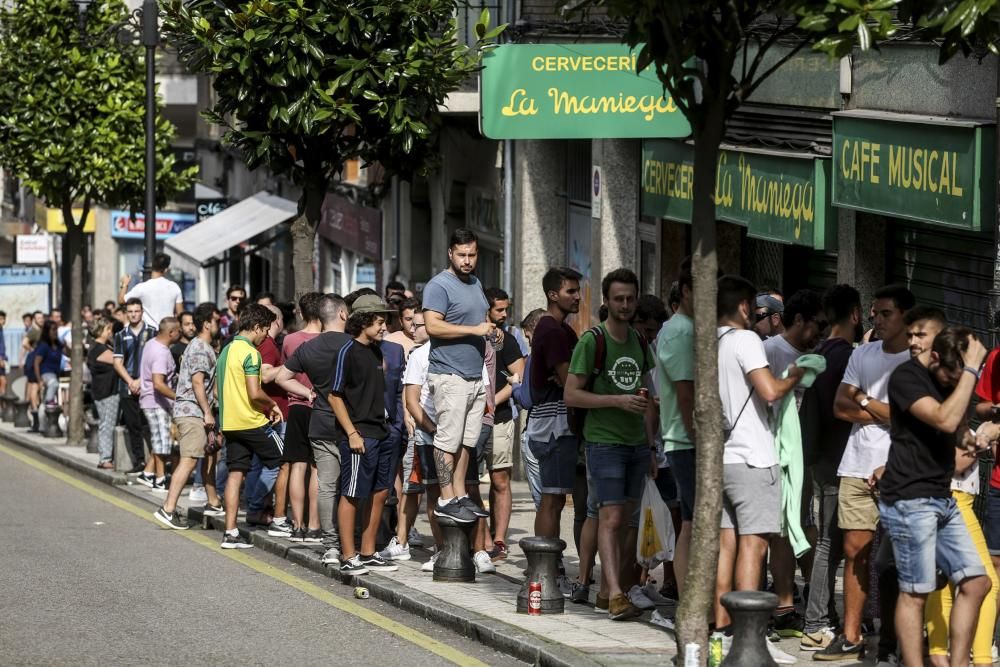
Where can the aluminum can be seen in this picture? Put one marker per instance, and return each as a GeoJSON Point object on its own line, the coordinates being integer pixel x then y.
{"type": "Point", "coordinates": [715, 650]}
{"type": "Point", "coordinates": [535, 598]}
{"type": "Point", "coordinates": [642, 391]}
{"type": "Point", "coordinates": [361, 593]}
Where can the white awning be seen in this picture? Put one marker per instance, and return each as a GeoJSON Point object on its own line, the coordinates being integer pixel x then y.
{"type": "Point", "coordinates": [193, 247]}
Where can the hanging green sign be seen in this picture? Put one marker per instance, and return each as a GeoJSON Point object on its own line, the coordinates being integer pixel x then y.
{"type": "Point", "coordinates": [936, 170]}
{"type": "Point", "coordinates": [573, 91]}
{"type": "Point", "coordinates": [777, 196]}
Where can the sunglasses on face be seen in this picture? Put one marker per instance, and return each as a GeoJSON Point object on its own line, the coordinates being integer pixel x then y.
{"type": "Point", "coordinates": [763, 316]}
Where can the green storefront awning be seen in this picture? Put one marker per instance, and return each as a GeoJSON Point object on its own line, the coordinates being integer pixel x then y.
{"type": "Point", "coordinates": [778, 196]}
{"type": "Point", "coordinates": [924, 168]}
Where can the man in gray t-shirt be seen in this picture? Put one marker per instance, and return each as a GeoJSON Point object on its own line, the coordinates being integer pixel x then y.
{"type": "Point", "coordinates": [455, 316]}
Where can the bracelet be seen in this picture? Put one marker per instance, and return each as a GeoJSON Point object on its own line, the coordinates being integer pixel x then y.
{"type": "Point", "coordinates": [974, 372]}
{"type": "Point", "coordinates": [351, 433]}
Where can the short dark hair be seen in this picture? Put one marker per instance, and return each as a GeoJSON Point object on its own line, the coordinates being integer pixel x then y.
{"type": "Point", "coordinates": [901, 297]}
{"type": "Point", "coordinates": [183, 313]}
{"type": "Point", "coordinates": [806, 303]}
{"type": "Point", "coordinates": [254, 315]}
{"type": "Point", "coordinates": [161, 262]}
{"type": "Point", "coordinates": [203, 314]}
{"type": "Point", "coordinates": [624, 276]}
{"type": "Point", "coordinates": [3, 314]}
{"type": "Point", "coordinates": [554, 278]}
{"type": "Point", "coordinates": [685, 278]}
{"type": "Point", "coordinates": [602, 313]}
{"type": "Point", "coordinates": [918, 313]}
{"type": "Point", "coordinates": [357, 322]}
{"type": "Point", "coordinates": [840, 302]}
{"type": "Point", "coordinates": [235, 288]}
{"type": "Point", "coordinates": [651, 307]}
{"type": "Point", "coordinates": [330, 306]}
{"type": "Point", "coordinates": [265, 295]}
{"type": "Point", "coordinates": [134, 301]}
{"type": "Point", "coordinates": [412, 303]}
{"type": "Point", "coordinates": [394, 285]}
{"type": "Point", "coordinates": [357, 294]}
{"type": "Point", "coordinates": [951, 345]}
{"type": "Point", "coordinates": [462, 236]}
{"type": "Point", "coordinates": [674, 295]}
{"type": "Point", "coordinates": [494, 294]}
{"type": "Point", "coordinates": [309, 306]}
{"type": "Point", "coordinates": [734, 290]}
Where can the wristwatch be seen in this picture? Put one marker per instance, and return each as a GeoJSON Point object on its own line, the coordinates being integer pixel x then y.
{"type": "Point", "coordinates": [864, 402]}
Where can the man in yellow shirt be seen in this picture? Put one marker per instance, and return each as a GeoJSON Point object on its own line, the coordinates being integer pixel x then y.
{"type": "Point", "coordinates": [246, 413]}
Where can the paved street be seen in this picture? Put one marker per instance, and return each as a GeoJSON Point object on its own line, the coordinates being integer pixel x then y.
{"type": "Point", "coordinates": [85, 581]}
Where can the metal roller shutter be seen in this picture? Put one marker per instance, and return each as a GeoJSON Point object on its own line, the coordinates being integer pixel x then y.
{"type": "Point", "coordinates": [949, 269]}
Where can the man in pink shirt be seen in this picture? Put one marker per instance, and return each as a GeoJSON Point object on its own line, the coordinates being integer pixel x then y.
{"type": "Point", "coordinates": [157, 376]}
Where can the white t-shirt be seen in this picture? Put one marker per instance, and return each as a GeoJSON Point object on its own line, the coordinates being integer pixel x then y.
{"type": "Point", "coordinates": [159, 296]}
{"type": "Point", "coordinates": [751, 440]}
{"type": "Point", "coordinates": [416, 373]}
{"type": "Point", "coordinates": [869, 369]}
{"type": "Point", "coordinates": [967, 482]}
{"type": "Point", "coordinates": [781, 355]}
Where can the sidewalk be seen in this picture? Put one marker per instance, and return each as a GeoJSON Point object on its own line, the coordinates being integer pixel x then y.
{"type": "Point", "coordinates": [484, 610]}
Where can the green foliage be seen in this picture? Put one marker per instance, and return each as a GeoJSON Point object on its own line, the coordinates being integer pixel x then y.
{"type": "Point", "coordinates": [72, 106]}
{"type": "Point", "coordinates": [302, 85]}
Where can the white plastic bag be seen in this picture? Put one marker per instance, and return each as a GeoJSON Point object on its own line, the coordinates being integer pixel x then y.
{"type": "Point", "coordinates": [656, 540]}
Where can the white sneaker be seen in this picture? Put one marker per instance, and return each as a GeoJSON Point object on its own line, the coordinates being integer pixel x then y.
{"type": "Point", "coordinates": [395, 551]}
{"type": "Point", "coordinates": [198, 494]}
{"type": "Point", "coordinates": [332, 556]}
{"type": "Point", "coordinates": [661, 621]}
{"type": "Point", "coordinates": [996, 654]}
{"type": "Point", "coordinates": [483, 563]}
{"type": "Point", "coordinates": [415, 539]}
{"type": "Point", "coordinates": [637, 597]}
{"type": "Point", "coordinates": [429, 565]}
{"type": "Point", "coordinates": [780, 656]}
{"type": "Point", "coordinates": [649, 590]}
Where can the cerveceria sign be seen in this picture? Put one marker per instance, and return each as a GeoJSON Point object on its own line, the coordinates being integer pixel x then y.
{"type": "Point", "coordinates": [777, 196]}
{"type": "Point", "coordinates": [566, 91]}
{"type": "Point", "coordinates": [936, 170]}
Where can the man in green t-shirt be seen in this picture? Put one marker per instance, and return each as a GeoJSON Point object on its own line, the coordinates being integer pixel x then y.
{"type": "Point", "coordinates": [618, 453]}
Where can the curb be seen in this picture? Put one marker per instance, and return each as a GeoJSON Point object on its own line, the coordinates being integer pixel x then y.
{"type": "Point", "coordinates": [509, 639]}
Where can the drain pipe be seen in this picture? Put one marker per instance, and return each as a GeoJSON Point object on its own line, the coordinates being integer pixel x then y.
{"type": "Point", "coordinates": [994, 293]}
{"type": "Point", "coordinates": [510, 13]}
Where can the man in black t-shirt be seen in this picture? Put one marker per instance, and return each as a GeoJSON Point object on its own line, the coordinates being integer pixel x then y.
{"type": "Point", "coordinates": [928, 400]}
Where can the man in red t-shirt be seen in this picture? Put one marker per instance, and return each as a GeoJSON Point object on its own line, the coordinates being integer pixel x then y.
{"type": "Point", "coordinates": [988, 409]}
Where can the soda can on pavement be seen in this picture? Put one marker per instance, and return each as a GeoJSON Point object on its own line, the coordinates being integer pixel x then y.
{"type": "Point", "coordinates": [535, 598]}
{"type": "Point", "coordinates": [361, 593]}
{"type": "Point", "coordinates": [715, 650]}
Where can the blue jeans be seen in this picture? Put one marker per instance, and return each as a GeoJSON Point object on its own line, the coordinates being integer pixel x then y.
{"type": "Point", "coordinates": [929, 534]}
{"type": "Point", "coordinates": [616, 472]}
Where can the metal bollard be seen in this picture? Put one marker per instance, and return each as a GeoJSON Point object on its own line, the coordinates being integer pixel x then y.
{"type": "Point", "coordinates": [750, 611]}
{"type": "Point", "coordinates": [454, 563]}
{"type": "Point", "coordinates": [122, 457]}
{"type": "Point", "coordinates": [93, 440]}
{"type": "Point", "coordinates": [52, 429]}
{"type": "Point", "coordinates": [543, 564]}
{"type": "Point", "coordinates": [21, 418]}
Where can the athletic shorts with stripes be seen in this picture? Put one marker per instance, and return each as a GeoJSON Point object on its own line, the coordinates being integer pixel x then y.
{"type": "Point", "coordinates": [263, 441]}
{"type": "Point", "coordinates": [363, 474]}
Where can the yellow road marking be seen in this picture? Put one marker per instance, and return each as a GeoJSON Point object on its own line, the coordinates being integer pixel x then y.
{"type": "Point", "coordinates": [318, 592]}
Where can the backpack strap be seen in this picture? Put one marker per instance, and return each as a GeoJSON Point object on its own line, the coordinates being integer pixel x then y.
{"type": "Point", "coordinates": [600, 355]}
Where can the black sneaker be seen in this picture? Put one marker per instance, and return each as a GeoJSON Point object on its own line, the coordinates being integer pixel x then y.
{"type": "Point", "coordinates": [297, 535]}
{"type": "Point", "coordinates": [841, 649]}
{"type": "Point", "coordinates": [235, 542]}
{"type": "Point", "coordinates": [469, 504]}
{"type": "Point", "coordinates": [789, 624]}
{"type": "Point", "coordinates": [170, 520]}
{"type": "Point", "coordinates": [278, 529]}
{"type": "Point", "coordinates": [455, 511]}
{"type": "Point", "coordinates": [670, 591]}
{"type": "Point", "coordinates": [314, 536]}
{"type": "Point", "coordinates": [146, 480]}
{"type": "Point", "coordinates": [376, 563]}
{"type": "Point", "coordinates": [353, 566]}
{"type": "Point", "coordinates": [580, 593]}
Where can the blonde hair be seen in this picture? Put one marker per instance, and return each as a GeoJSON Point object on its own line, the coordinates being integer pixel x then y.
{"type": "Point", "coordinates": [98, 326]}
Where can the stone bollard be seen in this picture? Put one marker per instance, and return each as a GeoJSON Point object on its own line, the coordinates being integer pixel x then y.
{"type": "Point", "coordinates": [122, 457]}
{"type": "Point", "coordinates": [454, 563]}
{"type": "Point", "coordinates": [543, 563]}
{"type": "Point", "coordinates": [21, 418]}
{"type": "Point", "coordinates": [750, 612]}
{"type": "Point", "coordinates": [7, 408]}
{"type": "Point", "coordinates": [52, 429]}
{"type": "Point", "coordinates": [92, 440]}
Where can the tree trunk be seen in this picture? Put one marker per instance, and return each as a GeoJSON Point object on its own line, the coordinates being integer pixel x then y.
{"type": "Point", "coordinates": [75, 239]}
{"type": "Point", "coordinates": [304, 238]}
{"type": "Point", "coordinates": [699, 587]}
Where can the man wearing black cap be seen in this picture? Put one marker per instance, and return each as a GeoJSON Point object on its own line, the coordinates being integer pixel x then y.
{"type": "Point", "coordinates": [767, 315]}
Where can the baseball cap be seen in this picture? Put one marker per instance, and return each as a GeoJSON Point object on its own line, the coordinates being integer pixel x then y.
{"type": "Point", "coordinates": [769, 302]}
{"type": "Point", "coordinates": [370, 303]}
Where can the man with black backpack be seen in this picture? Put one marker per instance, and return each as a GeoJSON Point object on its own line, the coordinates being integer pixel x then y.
{"type": "Point", "coordinates": [606, 378]}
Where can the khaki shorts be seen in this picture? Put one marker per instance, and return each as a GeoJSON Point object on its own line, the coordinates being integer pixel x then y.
{"type": "Point", "coordinates": [191, 437]}
{"type": "Point", "coordinates": [500, 450]}
{"type": "Point", "coordinates": [459, 404]}
{"type": "Point", "coordinates": [857, 508]}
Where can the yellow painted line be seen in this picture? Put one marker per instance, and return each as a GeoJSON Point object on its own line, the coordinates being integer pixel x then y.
{"type": "Point", "coordinates": [241, 556]}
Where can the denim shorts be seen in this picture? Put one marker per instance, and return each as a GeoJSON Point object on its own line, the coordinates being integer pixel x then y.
{"type": "Point", "coordinates": [993, 521]}
{"type": "Point", "coordinates": [557, 463]}
{"type": "Point", "coordinates": [682, 467]}
{"type": "Point", "coordinates": [617, 472]}
{"type": "Point", "coordinates": [929, 534]}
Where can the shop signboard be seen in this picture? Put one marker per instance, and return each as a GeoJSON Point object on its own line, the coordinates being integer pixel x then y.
{"type": "Point", "coordinates": [55, 224]}
{"type": "Point", "coordinates": [352, 226]}
{"type": "Point", "coordinates": [206, 208]}
{"type": "Point", "coordinates": [32, 248]}
{"type": "Point", "coordinates": [573, 91]}
{"type": "Point", "coordinates": [167, 224]}
{"type": "Point", "coordinates": [777, 196]}
{"type": "Point", "coordinates": [930, 169]}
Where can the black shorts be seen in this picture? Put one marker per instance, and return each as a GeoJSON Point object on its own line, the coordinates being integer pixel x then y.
{"type": "Point", "coordinates": [297, 446]}
{"type": "Point", "coordinates": [362, 475]}
{"type": "Point", "coordinates": [242, 445]}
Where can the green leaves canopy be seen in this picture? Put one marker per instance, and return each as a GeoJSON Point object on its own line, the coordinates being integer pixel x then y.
{"type": "Point", "coordinates": [302, 85]}
{"type": "Point", "coordinates": [72, 106]}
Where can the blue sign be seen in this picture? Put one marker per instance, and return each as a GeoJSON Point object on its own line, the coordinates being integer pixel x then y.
{"type": "Point", "coordinates": [167, 224]}
{"type": "Point", "coordinates": [25, 275]}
